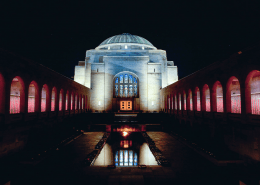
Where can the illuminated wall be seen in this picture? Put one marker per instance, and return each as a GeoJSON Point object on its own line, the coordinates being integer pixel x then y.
{"type": "Point", "coordinates": [60, 100]}
{"type": "Point", "coordinates": [219, 97]}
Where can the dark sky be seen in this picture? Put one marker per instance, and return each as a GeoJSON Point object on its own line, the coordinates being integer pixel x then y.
{"type": "Point", "coordinates": [193, 33]}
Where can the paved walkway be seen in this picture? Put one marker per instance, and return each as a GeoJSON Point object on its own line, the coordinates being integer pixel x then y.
{"type": "Point", "coordinates": [65, 167]}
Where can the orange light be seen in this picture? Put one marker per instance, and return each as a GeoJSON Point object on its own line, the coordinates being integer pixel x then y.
{"type": "Point", "coordinates": [125, 133]}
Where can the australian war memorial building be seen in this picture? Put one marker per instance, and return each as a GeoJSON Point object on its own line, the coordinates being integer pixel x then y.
{"type": "Point", "coordinates": [125, 73]}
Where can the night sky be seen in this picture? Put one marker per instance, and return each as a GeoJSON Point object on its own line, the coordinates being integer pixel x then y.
{"type": "Point", "coordinates": [194, 34]}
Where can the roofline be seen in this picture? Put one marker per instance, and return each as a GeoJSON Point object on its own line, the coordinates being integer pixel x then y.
{"type": "Point", "coordinates": [127, 43]}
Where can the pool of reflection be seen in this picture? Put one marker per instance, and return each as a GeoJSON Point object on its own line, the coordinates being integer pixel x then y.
{"type": "Point", "coordinates": [125, 151]}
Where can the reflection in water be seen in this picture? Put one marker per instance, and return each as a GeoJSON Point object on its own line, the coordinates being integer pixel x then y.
{"type": "Point", "coordinates": [126, 158]}
{"type": "Point", "coordinates": [125, 151]}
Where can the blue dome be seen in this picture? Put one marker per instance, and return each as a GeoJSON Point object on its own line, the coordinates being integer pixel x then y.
{"type": "Point", "coordinates": [126, 38]}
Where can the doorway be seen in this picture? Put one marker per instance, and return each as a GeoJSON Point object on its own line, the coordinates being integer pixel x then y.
{"type": "Point", "coordinates": [125, 105]}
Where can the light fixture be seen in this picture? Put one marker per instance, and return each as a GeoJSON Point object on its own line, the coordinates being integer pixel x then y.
{"type": "Point", "coordinates": [152, 102]}
{"type": "Point", "coordinates": [125, 46]}
{"type": "Point", "coordinates": [99, 103]}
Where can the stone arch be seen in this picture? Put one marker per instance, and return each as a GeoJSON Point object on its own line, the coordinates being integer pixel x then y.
{"type": "Point", "coordinates": [76, 101]}
{"type": "Point", "coordinates": [33, 97]}
{"type": "Point", "coordinates": [61, 100]}
{"type": "Point", "coordinates": [53, 98]}
{"type": "Point", "coordinates": [190, 100]}
{"type": "Point", "coordinates": [233, 95]}
{"type": "Point", "coordinates": [206, 98]}
{"type": "Point", "coordinates": [252, 92]}
{"type": "Point", "coordinates": [2, 94]}
{"type": "Point", "coordinates": [179, 101]}
{"type": "Point", "coordinates": [71, 101]}
{"type": "Point", "coordinates": [197, 103]}
{"type": "Point", "coordinates": [184, 100]}
{"type": "Point", "coordinates": [217, 97]}
{"type": "Point", "coordinates": [45, 97]}
{"type": "Point", "coordinates": [17, 96]}
{"type": "Point", "coordinates": [67, 100]}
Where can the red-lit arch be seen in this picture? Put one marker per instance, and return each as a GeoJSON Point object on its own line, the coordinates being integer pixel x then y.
{"type": "Point", "coordinates": [252, 92]}
{"type": "Point", "coordinates": [217, 97]}
{"type": "Point", "coordinates": [67, 100]}
{"type": "Point", "coordinates": [197, 103]}
{"type": "Point", "coordinates": [33, 97]}
{"type": "Point", "coordinates": [45, 98]}
{"type": "Point", "coordinates": [189, 100]}
{"type": "Point", "coordinates": [2, 94]}
{"type": "Point", "coordinates": [17, 96]}
{"type": "Point", "coordinates": [61, 100]}
{"type": "Point", "coordinates": [233, 95]}
{"type": "Point", "coordinates": [206, 98]}
{"type": "Point", "coordinates": [184, 100]}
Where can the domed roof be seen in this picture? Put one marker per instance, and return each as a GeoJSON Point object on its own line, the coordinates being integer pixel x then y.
{"type": "Point", "coordinates": [126, 38]}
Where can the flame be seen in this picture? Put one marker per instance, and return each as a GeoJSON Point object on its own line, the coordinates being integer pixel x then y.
{"type": "Point", "coordinates": [125, 133]}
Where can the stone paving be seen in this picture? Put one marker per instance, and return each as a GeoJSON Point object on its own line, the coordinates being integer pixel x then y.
{"type": "Point", "coordinates": [187, 167]}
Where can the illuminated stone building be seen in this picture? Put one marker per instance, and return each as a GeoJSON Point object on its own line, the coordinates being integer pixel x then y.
{"type": "Point", "coordinates": [125, 72]}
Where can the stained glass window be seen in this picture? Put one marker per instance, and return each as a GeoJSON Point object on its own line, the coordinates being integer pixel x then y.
{"type": "Point", "coordinates": [121, 90]}
{"type": "Point", "coordinates": [121, 79]}
{"type": "Point", "coordinates": [116, 90]}
{"type": "Point", "coordinates": [126, 78]}
{"type": "Point", "coordinates": [130, 79]}
{"type": "Point", "coordinates": [135, 90]}
{"type": "Point", "coordinates": [126, 90]}
{"type": "Point", "coordinates": [130, 90]}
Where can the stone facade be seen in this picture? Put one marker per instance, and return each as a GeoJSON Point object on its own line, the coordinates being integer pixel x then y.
{"type": "Point", "coordinates": [103, 63]}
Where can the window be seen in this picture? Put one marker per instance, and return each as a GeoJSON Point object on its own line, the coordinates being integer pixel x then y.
{"type": "Point", "coordinates": [234, 88]}
{"type": "Point", "coordinates": [127, 86]}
